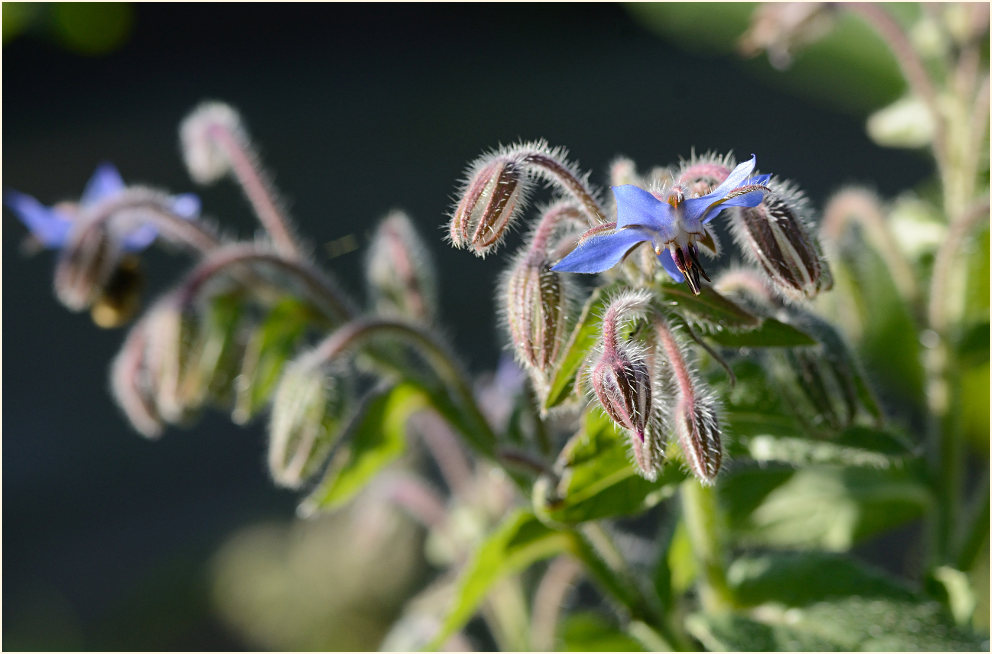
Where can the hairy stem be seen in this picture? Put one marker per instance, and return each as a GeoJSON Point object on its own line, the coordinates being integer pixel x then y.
{"type": "Point", "coordinates": [359, 331]}
{"type": "Point", "coordinates": [549, 599]}
{"type": "Point", "coordinates": [320, 289]}
{"type": "Point", "coordinates": [257, 188]}
{"type": "Point", "coordinates": [142, 205]}
{"type": "Point", "coordinates": [576, 187]}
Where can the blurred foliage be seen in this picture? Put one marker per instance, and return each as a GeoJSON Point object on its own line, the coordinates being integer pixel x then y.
{"type": "Point", "coordinates": [849, 69]}
{"type": "Point", "coordinates": [86, 28]}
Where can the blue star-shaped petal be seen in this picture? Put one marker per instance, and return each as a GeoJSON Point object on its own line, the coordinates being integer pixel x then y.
{"type": "Point", "coordinates": [671, 225]}
{"type": "Point", "coordinates": [51, 225]}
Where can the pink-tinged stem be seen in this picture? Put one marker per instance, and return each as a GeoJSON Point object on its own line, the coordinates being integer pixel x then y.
{"type": "Point", "coordinates": [322, 290]}
{"type": "Point", "coordinates": [567, 179]}
{"type": "Point", "coordinates": [155, 208]}
{"type": "Point", "coordinates": [257, 188]}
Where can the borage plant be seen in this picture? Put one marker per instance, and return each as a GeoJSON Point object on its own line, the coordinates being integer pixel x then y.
{"type": "Point", "coordinates": [702, 451]}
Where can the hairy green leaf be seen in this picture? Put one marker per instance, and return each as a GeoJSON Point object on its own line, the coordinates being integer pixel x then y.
{"type": "Point", "coordinates": [591, 632]}
{"type": "Point", "coordinates": [829, 507]}
{"type": "Point", "coordinates": [597, 478]}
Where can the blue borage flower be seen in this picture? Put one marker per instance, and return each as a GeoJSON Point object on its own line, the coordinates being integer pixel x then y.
{"type": "Point", "coordinates": [671, 224]}
{"type": "Point", "coordinates": [51, 225]}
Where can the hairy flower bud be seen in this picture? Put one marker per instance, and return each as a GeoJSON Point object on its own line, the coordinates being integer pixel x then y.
{"type": "Point", "coordinates": [622, 379]}
{"type": "Point", "coordinates": [535, 299]}
{"type": "Point", "coordinates": [775, 236]}
{"type": "Point", "coordinates": [205, 159]}
{"type": "Point", "coordinates": [696, 424]}
{"type": "Point", "coordinates": [399, 271]}
{"type": "Point", "coordinates": [496, 188]}
{"type": "Point", "coordinates": [308, 408]}
{"type": "Point", "coordinates": [85, 266]}
{"type": "Point", "coordinates": [129, 382]}
{"type": "Point", "coordinates": [699, 436]}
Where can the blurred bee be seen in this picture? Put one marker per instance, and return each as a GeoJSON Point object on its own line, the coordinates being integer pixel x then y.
{"type": "Point", "coordinates": [121, 297]}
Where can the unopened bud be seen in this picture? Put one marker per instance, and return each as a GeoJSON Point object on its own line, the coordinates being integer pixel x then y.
{"type": "Point", "coordinates": [782, 28]}
{"type": "Point", "coordinates": [129, 382]}
{"type": "Point", "coordinates": [701, 174]}
{"type": "Point", "coordinates": [170, 336]}
{"type": "Point", "coordinates": [536, 300]}
{"type": "Point", "coordinates": [399, 271]}
{"type": "Point", "coordinates": [622, 379]}
{"type": "Point", "coordinates": [825, 384]}
{"type": "Point", "coordinates": [699, 437]}
{"type": "Point", "coordinates": [205, 159]}
{"type": "Point", "coordinates": [497, 188]}
{"type": "Point", "coordinates": [85, 265]}
{"type": "Point", "coordinates": [696, 424]}
{"type": "Point", "coordinates": [776, 236]}
{"type": "Point", "coordinates": [308, 409]}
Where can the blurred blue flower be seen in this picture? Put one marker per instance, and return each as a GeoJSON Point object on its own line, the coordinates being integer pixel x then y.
{"type": "Point", "coordinates": [51, 225]}
{"type": "Point", "coordinates": [672, 225]}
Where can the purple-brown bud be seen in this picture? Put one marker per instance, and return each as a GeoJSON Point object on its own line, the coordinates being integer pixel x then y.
{"type": "Point", "coordinates": [497, 188]}
{"type": "Point", "coordinates": [775, 236]}
{"type": "Point", "coordinates": [699, 436]}
{"type": "Point", "coordinates": [536, 300]}
{"type": "Point", "coordinates": [623, 378]}
{"type": "Point", "coordinates": [130, 383]}
{"type": "Point", "coordinates": [696, 424]}
{"type": "Point", "coordinates": [399, 271]}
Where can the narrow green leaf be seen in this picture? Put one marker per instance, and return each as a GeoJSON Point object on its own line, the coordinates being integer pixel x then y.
{"type": "Point", "coordinates": [518, 542]}
{"type": "Point", "coordinates": [378, 437]}
{"type": "Point", "coordinates": [829, 507]}
{"type": "Point", "coordinates": [769, 333]}
{"type": "Point", "coordinates": [597, 478]}
{"type": "Point", "coordinates": [582, 340]}
{"type": "Point", "coordinates": [270, 346]}
{"type": "Point", "coordinates": [714, 311]}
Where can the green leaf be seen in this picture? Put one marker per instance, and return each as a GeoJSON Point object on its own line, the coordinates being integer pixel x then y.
{"type": "Point", "coordinates": [805, 578]}
{"type": "Point", "coordinates": [269, 348]}
{"type": "Point", "coordinates": [829, 507]}
{"type": "Point", "coordinates": [597, 478]}
{"type": "Point", "coordinates": [518, 542]}
{"type": "Point", "coordinates": [378, 437]}
{"type": "Point", "coordinates": [770, 333]}
{"type": "Point", "coordinates": [583, 338]}
{"type": "Point", "coordinates": [713, 311]}
{"type": "Point", "coordinates": [823, 601]}
{"type": "Point", "coordinates": [590, 632]}
{"type": "Point", "coordinates": [855, 446]}
{"type": "Point", "coordinates": [727, 632]}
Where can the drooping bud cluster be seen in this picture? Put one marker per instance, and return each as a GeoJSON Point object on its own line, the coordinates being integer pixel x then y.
{"type": "Point", "coordinates": [308, 408]}
{"type": "Point", "coordinates": [697, 426]}
{"type": "Point", "coordinates": [777, 236]}
{"type": "Point", "coordinates": [175, 360]}
{"type": "Point", "coordinates": [497, 188]}
{"type": "Point", "coordinates": [399, 271]}
{"type": "Point", "coordinates": [623, 378]}
{"type": "Point", "coordinates": [535, 299]}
